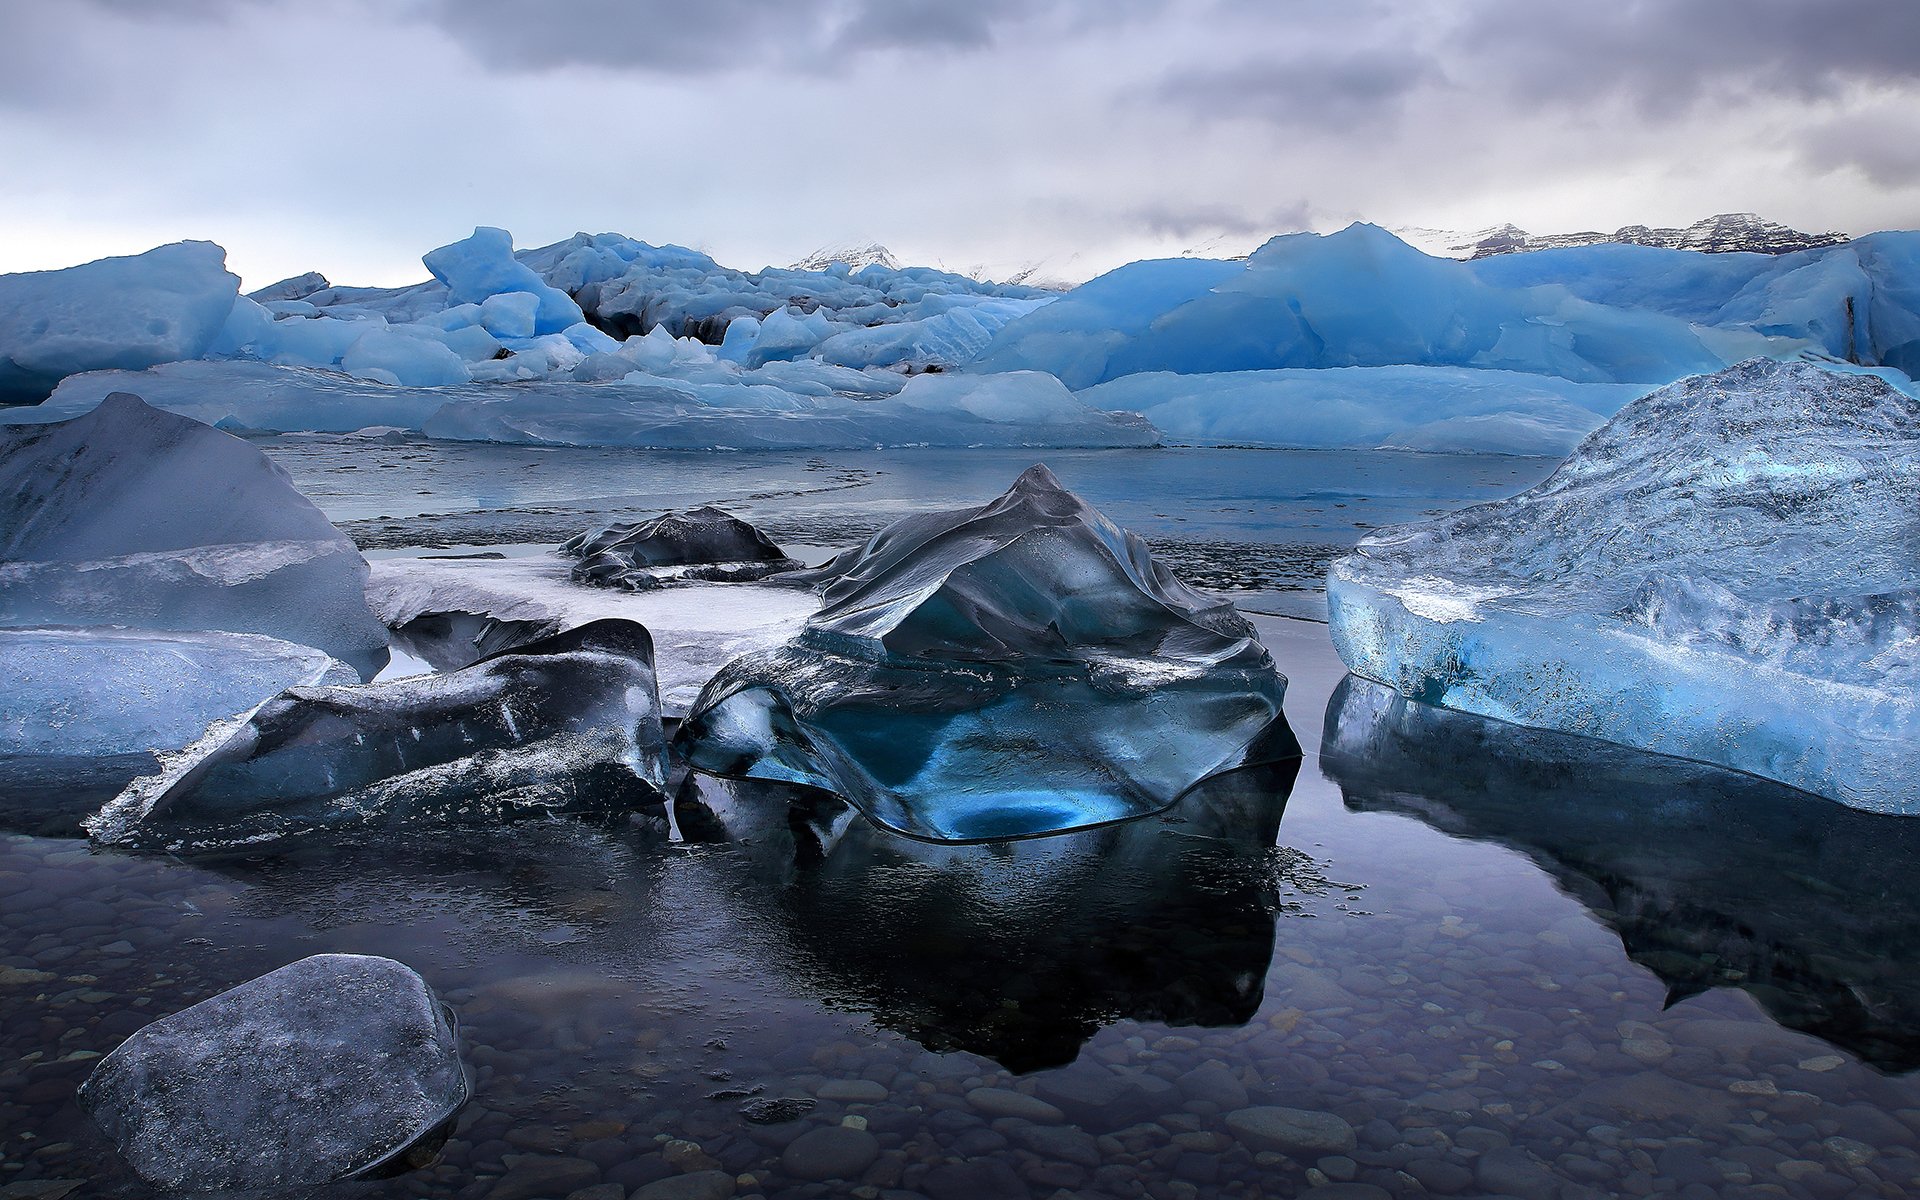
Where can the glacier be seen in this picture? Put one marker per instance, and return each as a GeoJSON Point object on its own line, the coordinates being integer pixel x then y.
{"type": "Point", "coordinates": [1724, 572]}
{"type": "Point", "coordinates": [132, 312]}
{"type": "Point", "coordinates": [564, 723]}
{"type": "Point", "coordinates": [1017, 669]}
{"type": "Point", "coordinates": [132, 516]}
{"type": "Point", "coordinates": [1351, 340]}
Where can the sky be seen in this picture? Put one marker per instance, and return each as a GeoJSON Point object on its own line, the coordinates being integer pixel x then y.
{"type": "Point", "coordinates": [351, 136]}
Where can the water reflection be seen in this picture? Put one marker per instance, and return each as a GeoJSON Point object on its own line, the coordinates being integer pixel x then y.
{"type": "Point", "coordinates": [1018, 951]}
{"type": "Point", "coordinates": [1710, 878]}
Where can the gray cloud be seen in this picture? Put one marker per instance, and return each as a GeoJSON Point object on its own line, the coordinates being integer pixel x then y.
{"type": "Point", "coordinates": [1187, 221]}
{"type": "Point", "coordinates": [1333, 91]}
{"type": "Point", "coordinates": [676, 37]}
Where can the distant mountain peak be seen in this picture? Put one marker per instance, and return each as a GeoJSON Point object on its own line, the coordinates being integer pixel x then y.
{"type": "Point", "coordinates": [855, 255]}
{"type": "Point", "coordinates": [1725, 233]}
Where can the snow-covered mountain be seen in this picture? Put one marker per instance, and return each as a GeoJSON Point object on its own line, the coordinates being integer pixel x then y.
{"type": "Point", "coordinates": [1723, 234]}
{"type": "Point", "coordinates": [855, 255]}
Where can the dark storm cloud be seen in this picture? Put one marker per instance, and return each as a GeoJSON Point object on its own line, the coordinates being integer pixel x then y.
{"type": "Point", "coordinates": [1678, 52]}
{"type": "Point", "coordinates": [1298, 66]}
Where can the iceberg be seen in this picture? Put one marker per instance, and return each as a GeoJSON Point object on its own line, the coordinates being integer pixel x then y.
{"type": "Point", "coordinates": [1724, 572]}
{"type": "Point", "coordinates": [1017, 669]}
{"type": "Point", "coordinates": [481, 269]}
{"type": "Point", "coordinates": [1859, 301]}
{"type": "Point", "coordinates": [132, 516]}
{"type": "Point", "coordinates": [566, 723]}
{"type": "Point", "coordinates": [169, 303]}
{"type": "Point", "coordinates": [705, 543]}
{"type": "Point", "coordinates": [1357, 298]}
{"type": "Point", "coordinates": [1442, 410]}
{"type": "Point", "coordinates": [1722, 880]}
{"type": "Point", "coordinates": [338, 1066]}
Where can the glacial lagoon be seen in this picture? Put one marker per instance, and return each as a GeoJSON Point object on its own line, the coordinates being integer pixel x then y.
{"type": "Point", "coordinates": [1433, 955]}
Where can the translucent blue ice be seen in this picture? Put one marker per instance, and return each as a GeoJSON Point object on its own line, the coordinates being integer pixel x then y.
{"type": "Point", "coordinates": [1724, 572]}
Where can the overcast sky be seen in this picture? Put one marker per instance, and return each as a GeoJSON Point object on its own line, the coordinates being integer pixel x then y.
{"type": "Point", "coordinates": [350, 136]}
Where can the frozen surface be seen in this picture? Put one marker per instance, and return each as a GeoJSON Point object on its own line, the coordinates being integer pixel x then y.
{"type": "Point", "coordinates": [1021, 668]}
{"type": "Point", "coordinates": [1724, 572]}
{"type": "Point", "coordinates": [132, 312]}
{"type": "Point", "coordinates": [704, 543]}
{"type": "Point", "coordinates": [329, 1068]}
{"type": "Point", "coordinates": [565, 723]}
{"type": "Point", "coordinates": [1449, 410]}
{"type": "Point", "coordinates": [451, 611]}
{"type": "Point", "coordinates": [1357, 298]}
{"type": "Point", "coordinates": [132, 516]}
{"type": "Point", "coordinates": [81, 692]}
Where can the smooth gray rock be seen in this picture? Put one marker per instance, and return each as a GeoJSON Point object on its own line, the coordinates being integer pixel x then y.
{"type": "Point", "coordinates": [1005, 1102]}
{"type": "Point", "coordinates": [1291, 1130]}
{"type": "Point", "coordinates": [700, 1185]}
{"type": "Point", "coordinates": [330, 1068]}
{"type": "Point", "coordinates": [830, 1152]}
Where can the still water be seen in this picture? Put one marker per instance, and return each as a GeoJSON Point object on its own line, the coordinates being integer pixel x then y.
{"type": "Point", "coordinates": [1481, 961]}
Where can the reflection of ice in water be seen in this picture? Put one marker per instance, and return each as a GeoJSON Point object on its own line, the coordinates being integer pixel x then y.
{"type": "Point", "coordinates": [1711, 878]}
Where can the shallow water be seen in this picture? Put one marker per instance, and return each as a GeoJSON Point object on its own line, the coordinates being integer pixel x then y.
{"type": "Point", "coordinates": [1511, 963]}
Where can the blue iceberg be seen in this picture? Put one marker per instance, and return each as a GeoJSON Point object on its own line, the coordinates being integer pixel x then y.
{"type": "Point", "coordinates": [1017, 669]}
{"type": "Point", "coordinates": [1725, 572]}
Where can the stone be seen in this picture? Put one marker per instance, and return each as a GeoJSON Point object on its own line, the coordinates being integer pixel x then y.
{"type": "Point", "coordinates": [1060, 1143]}
{"type": "Point", "coordinates": [1513, 1172]}
{"type": "Point", "coordinates": [1216, 1083]}
{"type": "Point", "coordinates": [975, 1181]}
{"type": "Point", "coordinates": [1291, 1130]}
{"type": "Point", "coordinates": [852, 1091]}
{"type": "Point", "coordinates": [1005, 1102]}
{"type": "Point", "coordinates": [1438, 1175]}
{"type": "Point", "coordinates": [541, 1176]}
{"type": "Point", "coordinates": [700, 1185]}
{"type": "Point", "coordinates": [830, 1152]}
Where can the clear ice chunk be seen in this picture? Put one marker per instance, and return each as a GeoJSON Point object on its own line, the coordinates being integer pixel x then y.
{"type": "Point", "coordinates": [338, 1066]}
{"type": "Point", "coordinates": [1725, 572]}
{"type": "Point", "coordinates": [1017, 669]}
{"type": "Point", "coordinates": [568, 723]}
{"type": "Point", "coordinates": [133, 516]}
